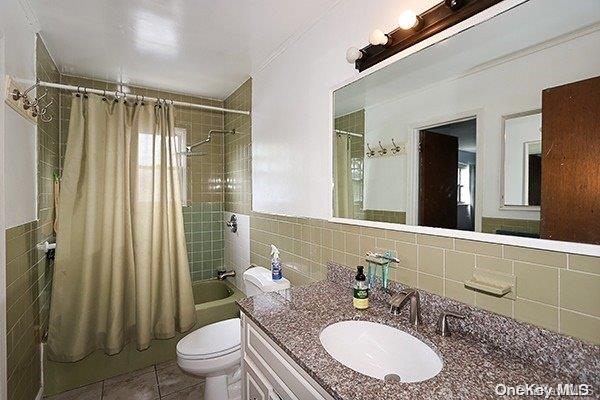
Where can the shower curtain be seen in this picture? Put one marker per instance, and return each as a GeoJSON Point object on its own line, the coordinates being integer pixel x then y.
{"type": "Point", "coordinates": [342, 201]}
{"type": "Point", "coordinates": [121, 272]}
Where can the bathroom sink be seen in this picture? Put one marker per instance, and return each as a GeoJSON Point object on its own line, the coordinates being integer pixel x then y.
{"type": "Point", "coordinates": [380, 351]}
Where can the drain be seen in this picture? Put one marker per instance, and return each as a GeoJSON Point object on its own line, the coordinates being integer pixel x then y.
{"type": "Point", "coordinates": [392, 378]}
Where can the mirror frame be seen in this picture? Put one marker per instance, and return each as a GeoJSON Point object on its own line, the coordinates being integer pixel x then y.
{"type": "Point", "coordinates": [503, 205]}
{"type": "Point", "coordinates": [533, 243]}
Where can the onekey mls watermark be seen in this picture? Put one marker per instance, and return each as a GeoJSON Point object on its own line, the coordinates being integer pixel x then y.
{"type": "Point", "coordinates": [544, 391]}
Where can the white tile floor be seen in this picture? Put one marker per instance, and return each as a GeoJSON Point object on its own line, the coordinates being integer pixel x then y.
{"type": "Point", "coordinates": [162, 381]}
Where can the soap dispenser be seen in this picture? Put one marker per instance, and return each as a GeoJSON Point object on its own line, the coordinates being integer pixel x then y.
{"type": "Point", "coordinates": [361, 290]}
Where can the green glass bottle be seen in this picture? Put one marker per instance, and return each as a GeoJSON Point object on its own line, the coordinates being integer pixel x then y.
{"type": "Point", "coordinates": [361, 290]}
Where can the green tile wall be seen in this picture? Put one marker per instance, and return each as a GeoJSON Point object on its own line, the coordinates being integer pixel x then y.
{"type": "Point", "coordinates": [204, 236]}
{"type": "Point", "coordinates": [28, 273]}
{"type": "Point", "coordinates": [238, 152]}
{"type": "Point", "coordinates": [491, 225]}
{"type": "Point", "coordinates": [205, 174]}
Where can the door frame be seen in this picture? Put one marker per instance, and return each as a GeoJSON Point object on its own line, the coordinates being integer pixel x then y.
{"type": "Point", "coordinates": [3, 354]}
{"type": "Point", "coordinates": [412, 211]}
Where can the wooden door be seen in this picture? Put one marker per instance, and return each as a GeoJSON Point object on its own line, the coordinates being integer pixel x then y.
{"type": "Point", "coordinates": [570, 204]}
{"type": "Point", "coordinates": [534, 179]}
{"type": "Point", "coordinates": [438, 179]}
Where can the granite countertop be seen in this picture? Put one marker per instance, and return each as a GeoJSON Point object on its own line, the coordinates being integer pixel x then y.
{"type": "Point", "coordinates": [294, 319]}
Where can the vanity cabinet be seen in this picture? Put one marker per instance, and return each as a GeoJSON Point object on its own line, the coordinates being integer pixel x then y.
{"type": "Point", "coordinates": [268, 373]}
{"type": "Point", "coordinates": [256, 385]}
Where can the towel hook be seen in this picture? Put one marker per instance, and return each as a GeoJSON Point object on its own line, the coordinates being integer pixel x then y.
{"type": "Point", "coordinates": [383, 150]}
{"type": "Point", "coordinates": [45, 108]}
{"type": "Point", "coordinates": [371, 152]}
{"type": "Point", "coordinates": [395, 149]}
{"type": "Point", "coordinates": [34, 103]}
{"type": "Point", "coordinates": [37, 82]}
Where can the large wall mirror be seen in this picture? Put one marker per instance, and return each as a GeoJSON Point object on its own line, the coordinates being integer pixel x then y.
{"type": "Point", "coordinates": [494, 130]}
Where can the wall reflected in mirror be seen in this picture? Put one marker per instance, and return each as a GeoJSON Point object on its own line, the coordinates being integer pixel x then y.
{"type": "Point", "coordinates": [469, 133]}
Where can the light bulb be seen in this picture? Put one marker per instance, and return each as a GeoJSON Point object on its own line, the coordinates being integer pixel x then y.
{"type": "Point", "coordinates": [377, 37]}
{"type": "Point", "coordinates": [408, 20]}
{"type": "Point", "coordinates": [353, 54]}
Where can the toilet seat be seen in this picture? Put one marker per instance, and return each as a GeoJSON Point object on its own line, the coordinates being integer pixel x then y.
{"type": "Point", "coordinates": [211, 341]}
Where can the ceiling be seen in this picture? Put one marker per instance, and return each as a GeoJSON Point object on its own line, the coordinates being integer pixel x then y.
{"type": "Point", "coordinates": [200, 47]}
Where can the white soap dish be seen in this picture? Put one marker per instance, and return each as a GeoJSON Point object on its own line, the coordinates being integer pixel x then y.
{"type": "Point", "coordinates": [488, 284]}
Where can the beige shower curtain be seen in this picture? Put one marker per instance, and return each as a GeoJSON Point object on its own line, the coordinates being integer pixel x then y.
{"type": "Point", "coordinates": [342, 201]}
{"type": "Point", "coordinates": [121, 271]}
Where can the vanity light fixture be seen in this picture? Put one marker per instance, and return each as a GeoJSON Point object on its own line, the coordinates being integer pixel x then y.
{"type": "Point", "coordinates": [408, 20]}
{"type": "Point", "coordinates": [454, 4]}
{"type": "Point", "coordinates": [413, 28]}
{"type": "Point", "coordinates": [353, 54]}
{"type": "Point", "coordinates": [377, 37]}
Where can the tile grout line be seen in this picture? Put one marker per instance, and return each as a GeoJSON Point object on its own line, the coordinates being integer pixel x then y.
{"type": "Point", "coordinates": [157, 383]}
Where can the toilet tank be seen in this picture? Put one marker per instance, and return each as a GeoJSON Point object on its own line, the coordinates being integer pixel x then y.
{"type": "Point", "coordinates": [258, 280]}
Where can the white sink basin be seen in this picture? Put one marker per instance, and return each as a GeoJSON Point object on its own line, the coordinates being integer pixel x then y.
{"type": "Point", "coordinates": [380, 351]}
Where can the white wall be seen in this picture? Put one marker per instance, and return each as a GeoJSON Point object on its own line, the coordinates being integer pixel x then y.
{"type": "Point", "coordinates": [3, 377]}
{"type": "Point", "coordinates": [237, 247]}
{"type": "Point", "coordinates": [389, 172]}
{"type": "Point", "coordinates": [291, 107]}
{"type": "Point", "coordinates": [507, 88]}
{"type": "Point", "coordinates": [20, 162]}
{"type": "Point", "coordinates": [518, 131]}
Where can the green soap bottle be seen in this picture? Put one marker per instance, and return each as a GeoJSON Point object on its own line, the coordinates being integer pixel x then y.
{"type": "Point", "coordinates": [361, 290]}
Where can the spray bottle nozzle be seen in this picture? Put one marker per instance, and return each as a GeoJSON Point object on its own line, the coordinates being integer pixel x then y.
{"type": "Point", "coordinates": [274, 252]}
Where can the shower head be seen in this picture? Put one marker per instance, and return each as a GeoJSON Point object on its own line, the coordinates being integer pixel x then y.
{"type": "Point", "coordinates": [191, 146]}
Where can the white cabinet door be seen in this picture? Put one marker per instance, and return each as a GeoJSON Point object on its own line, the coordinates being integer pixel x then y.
{"type": "Point", "coordinates": [257, 387]}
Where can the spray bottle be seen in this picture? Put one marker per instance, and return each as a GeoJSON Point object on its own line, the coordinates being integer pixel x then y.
{"type": "Point", "coordinates": [275, 264]}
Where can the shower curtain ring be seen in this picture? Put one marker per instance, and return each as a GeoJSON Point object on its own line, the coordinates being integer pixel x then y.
{"type": "Point", "coordinates": [78, 94]}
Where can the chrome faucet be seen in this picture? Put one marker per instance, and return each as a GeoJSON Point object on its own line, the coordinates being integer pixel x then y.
{"type": "Point", "coordinates": [442, 324]}
{"type": "Point", "coordinates": [398, 301]}
{"type": "Point", "coordinates": [225, 274]}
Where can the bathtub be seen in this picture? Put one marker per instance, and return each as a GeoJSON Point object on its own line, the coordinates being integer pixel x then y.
{"type": "Point", "coordinates": [214, 301]}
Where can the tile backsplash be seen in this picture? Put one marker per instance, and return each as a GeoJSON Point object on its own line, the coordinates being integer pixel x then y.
{"type": "Point", "coordinates": [557, 291]}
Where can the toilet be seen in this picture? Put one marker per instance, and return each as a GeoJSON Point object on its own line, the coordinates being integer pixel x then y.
{"type": "Point", "coordinates": [214, 351]}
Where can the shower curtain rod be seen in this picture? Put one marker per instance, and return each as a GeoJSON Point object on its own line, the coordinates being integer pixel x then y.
{"type": "Point", "coordinates": [341, 132]}
{"type": "Point", "coordinates": [117, 93]}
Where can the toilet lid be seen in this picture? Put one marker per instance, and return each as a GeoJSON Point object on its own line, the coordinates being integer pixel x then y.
{"type": "Point", "coordinates": [211, 341]}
